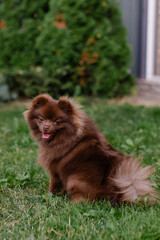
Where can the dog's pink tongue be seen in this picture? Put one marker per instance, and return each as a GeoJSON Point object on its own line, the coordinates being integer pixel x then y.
{"type": "Point", "coordinates": [46, 135]}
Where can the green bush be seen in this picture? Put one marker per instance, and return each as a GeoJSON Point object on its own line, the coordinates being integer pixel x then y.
{"type": "Point", "coordinates": [20, 25]}
{"type": "Point", "coordinates": [78, 47]}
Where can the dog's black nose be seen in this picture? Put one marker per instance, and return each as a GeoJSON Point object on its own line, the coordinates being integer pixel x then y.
{"type": "Point", "coordinates": [45, 128]}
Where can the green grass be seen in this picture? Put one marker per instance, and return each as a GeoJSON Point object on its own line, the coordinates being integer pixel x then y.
{"type": "Point", "coordinates": [27, 211]}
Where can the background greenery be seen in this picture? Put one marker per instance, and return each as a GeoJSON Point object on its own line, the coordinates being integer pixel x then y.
{"type": "Point", "coordinates": [64, 46]}
{"type": "Point", "coordinates": [27, 211]}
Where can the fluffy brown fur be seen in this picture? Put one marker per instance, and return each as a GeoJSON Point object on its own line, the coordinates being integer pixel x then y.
{"type": "Point", "coordinates": [78, 157]}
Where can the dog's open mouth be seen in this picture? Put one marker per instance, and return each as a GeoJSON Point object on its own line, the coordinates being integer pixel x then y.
{"type": "Point", "coordinates": [47, 135]}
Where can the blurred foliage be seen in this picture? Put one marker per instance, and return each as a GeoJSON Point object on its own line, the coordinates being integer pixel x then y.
{"type": "Point", "coordinates": [59, 47]}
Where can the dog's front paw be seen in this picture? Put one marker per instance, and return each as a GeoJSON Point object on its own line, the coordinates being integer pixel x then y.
{"type": "Point", "coordinates": [56, 191]}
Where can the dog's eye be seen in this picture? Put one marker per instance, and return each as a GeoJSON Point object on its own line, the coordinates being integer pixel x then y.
{"type": "Point", "coordinates": [58, 121]}
{"type": "Point", "coordinates": [41, 119]}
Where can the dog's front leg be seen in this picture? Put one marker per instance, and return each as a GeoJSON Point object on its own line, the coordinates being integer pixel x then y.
{"type": "Point", "coordinates": [55, 184]}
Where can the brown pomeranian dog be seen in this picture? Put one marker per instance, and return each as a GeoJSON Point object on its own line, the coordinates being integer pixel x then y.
{"type": "Point", "coordinates": [78, 157]}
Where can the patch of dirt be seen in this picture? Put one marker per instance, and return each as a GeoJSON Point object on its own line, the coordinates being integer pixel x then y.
{"type": "Point", "coordinates": [15, 104]}
{"type": "Point", "coordinates": [136, 101]}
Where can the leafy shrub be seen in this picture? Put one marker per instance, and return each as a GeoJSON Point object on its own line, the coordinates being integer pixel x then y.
{"type": "Point", "coordinates": [19, 28]}
{"type": "Point", "coordinates": [31, 82]}
{"type": "Point", "coordinates": [79, 47]}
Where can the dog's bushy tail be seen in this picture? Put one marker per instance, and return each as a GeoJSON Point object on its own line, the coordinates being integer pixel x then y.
{"type": "Point", "coordinates": [133, 181]}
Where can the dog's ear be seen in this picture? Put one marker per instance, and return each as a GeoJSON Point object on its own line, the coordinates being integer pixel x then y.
{"type": "Point", "coordinates": [39, 101]}
{"type": "Point", "coordinates": [65, 105]}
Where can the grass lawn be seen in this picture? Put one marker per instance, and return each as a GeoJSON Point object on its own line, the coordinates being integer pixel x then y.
{"type": "Point", "coordinates": [27, 211]}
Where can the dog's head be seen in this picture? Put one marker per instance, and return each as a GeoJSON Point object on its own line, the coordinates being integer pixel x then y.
{"type": "Point", "coordinates": [49, 119]}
